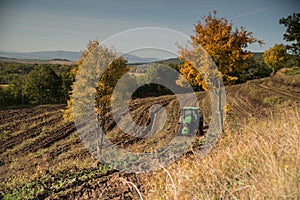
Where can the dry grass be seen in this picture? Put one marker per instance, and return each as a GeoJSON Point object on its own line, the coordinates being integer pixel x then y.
{"type": "Point", "coordinates": [258, 160]}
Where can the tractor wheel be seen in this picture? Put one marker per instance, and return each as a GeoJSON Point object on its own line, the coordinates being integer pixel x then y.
{"type": "Point", "coordinates": [200, 131]}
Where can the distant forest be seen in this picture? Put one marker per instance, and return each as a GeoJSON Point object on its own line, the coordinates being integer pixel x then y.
{"type": "Point", "coordinates": [33, 84]}
{"type": "Point", "coordinates": [23, 83]}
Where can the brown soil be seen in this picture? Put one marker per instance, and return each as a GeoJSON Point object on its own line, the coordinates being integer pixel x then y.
{"type": "Point", "coordinates": [36, 138]}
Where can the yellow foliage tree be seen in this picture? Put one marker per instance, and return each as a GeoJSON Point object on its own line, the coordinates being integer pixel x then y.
{"type": "Point", "coordinates": [104, 88]}
{"type": "Point", "coordinates": [225, 46]}
{"type": "Point", "coordinates": [275, 57]}
{"type": "Point", "coordinates": [106, 84]}
{"type": "Point", "coordinates": [192, 75]}
{"type": "Point", "coordinates": [68, 113]}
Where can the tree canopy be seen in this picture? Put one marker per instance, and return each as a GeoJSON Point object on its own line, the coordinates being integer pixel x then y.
{"type": "Point", "coordinates": [42, 85]}
{"type": "Point", "coordinates": [225, 44]}
{"type": "Point", "coordinates": [275, 57]}
{"type": "Point", "coordinates": [292, 34]}
{"type": "Point", "coordinates": [109, 77]}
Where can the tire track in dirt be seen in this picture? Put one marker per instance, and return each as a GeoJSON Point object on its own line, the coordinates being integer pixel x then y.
{"type": "Point", "coordinates": [278, 91]}
{"type": "Point", "coordinates": [243, 104]}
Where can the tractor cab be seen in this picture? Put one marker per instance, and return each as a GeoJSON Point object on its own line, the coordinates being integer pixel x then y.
{"type": "Point", "coordinates": [191, 121]}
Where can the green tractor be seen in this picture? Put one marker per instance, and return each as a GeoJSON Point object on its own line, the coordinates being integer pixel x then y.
{"type": "Point", "coordinates": [191, 121]}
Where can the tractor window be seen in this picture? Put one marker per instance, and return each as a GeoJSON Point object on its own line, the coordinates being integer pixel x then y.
{"type": "Point", "coordinates": [195, 115]}
{"type": "Point", "coordinates": [187, 112]}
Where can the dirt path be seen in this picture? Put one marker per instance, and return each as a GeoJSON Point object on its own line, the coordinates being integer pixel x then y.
{"type": "Point", "coordinates": [277, 91]}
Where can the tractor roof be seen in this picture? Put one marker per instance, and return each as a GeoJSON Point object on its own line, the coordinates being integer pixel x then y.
{"type": "Point", "coordinates": [190, 108]}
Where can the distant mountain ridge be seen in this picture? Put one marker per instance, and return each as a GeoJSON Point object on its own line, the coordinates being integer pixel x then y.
{"type": "Point", "coordinates": [43, 55]}
{"type": "Point", "coordinates": [65, 55]}
{"type": "Point", "coordinates": [132, 59]}
{"type": "Point", "coordinates": [74, 56]}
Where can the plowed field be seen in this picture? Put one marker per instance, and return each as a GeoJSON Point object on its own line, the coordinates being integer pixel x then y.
{"type": "Point", "coordinates": [42, 157]}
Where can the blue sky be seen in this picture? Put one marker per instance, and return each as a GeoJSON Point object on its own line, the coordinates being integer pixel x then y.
{"type": "Point", "coordinates": [40, 25]}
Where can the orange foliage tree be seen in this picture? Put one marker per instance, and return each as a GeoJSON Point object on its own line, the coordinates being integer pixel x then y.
{"type": "Point", "coordinates": [226, 46]}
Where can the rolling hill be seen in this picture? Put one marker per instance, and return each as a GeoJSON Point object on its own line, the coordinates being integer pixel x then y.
{"type": "Point", "coordinates": [48, 56]}
{"type": "Point", "coordinates": [42, 55]}
{"type": "Point", "coordinates": [43, 158]}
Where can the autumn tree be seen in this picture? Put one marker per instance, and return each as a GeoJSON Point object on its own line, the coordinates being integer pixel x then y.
{"type": "Point", "coordinates": [110, 74]}
{"type": "Point", "coordinates": [98, 73]}
{"type": "Point", "coordinates": [68, 113]}
{"type": "Point", "coordinates": [275, 57]}
{"type": "Point", "coordinates": [191, 75]}
{"type": "Point", "coordinates": [226, 45]}
{"type": "Point", "coordinates": [106, 84]}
